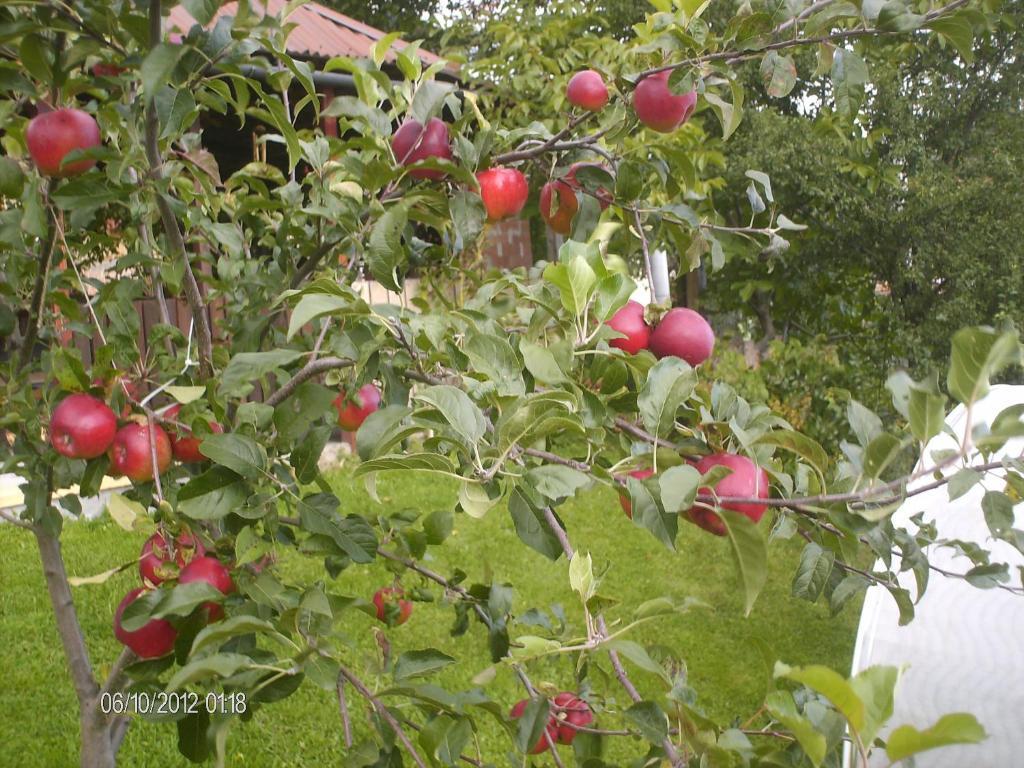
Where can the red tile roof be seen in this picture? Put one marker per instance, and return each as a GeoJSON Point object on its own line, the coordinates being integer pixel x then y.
{"type": "Point", "coordinates": [318, 33]}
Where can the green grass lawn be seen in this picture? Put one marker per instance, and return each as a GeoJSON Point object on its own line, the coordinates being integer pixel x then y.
{"type": "Point", "coordinates": [728, 656]}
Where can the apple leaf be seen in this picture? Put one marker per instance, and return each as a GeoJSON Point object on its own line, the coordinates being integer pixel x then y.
{"type": "Point", "coordinates": [955, 728]}
{"type": "Point", "coordinates": [750, 554]}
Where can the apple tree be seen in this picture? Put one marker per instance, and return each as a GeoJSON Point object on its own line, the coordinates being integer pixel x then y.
{"type": "Point", "coordinates": [534, 385]}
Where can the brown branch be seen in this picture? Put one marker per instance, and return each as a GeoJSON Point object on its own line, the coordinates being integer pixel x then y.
{"type": "Point", "coordinates": [385, 714]}
{"type": "Point", "coordinates": [14, 520]}
{"type": "Point", "coordinates": [308, 371]}
{"type": "Point", "coordinates": [346, 723]}
{"type": "Point", "coordinates": [38, 296]}
{"type": "Point", "coordinates": [546, 146]}
{"type": "Point", "coordinates": [646, 251]}
{"type": "Point", "coordinates": [167, 217]}
{"type": "Point", "coordinates": [734, 57]}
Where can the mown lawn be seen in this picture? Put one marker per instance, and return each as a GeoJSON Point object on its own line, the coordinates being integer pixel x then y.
{"type": "Point", "coordinates": [729, 657]}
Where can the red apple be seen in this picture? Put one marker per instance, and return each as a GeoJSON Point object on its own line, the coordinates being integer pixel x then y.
{"type": "Point", "coordinates": [130, 455]}
{"type": "Point", "coordinates": [186, 449]}
{"type": "Point", "coordinates": [387, 596]}
{"type": "Point", "coordinates": [352, 412]}
{"type": "Point", "coordinates": [412, 143]}
{"type": "Point", "coordinates": [153, 639]}
{"type": "Point", "coordinates": [683, 333]}
{"type": "Point", "coordinates": [587, 90]}
{"type": "Point", "coordinates": [558, 212]}
{"type": "Point", "coordinates": [569, 711]}
{"type": "Point", "coordinates": [105, 69]}
{"type": "Point", "coordinates": [159, 551]}
{"type": "Point", "coordinates": [52, 135]}
{"type": "Point", "coordinates": [660, 109]}
{"type": "Point", "coordinates": [747, 480]}
{"type": "Point", "coordinates": [627, 505]}
{"type": "Point", "coordinates": [213, 572]}
{"type": "Point", "coordinates": [504, 192]}
{"type": "Point", "coordinates": [517, 711]}
{"type": "Point", "coordinates": [82, 427]}
{"type": "Point", "coordinates": [630, 321]}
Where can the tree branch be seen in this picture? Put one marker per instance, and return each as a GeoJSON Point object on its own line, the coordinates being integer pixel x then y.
{"type": "Point", "coordinates": [346, 723]}
{"type": "Point", "coordinates": [38, 296]}
{"type": "Point", "coordinates": [308, 371]}
{"type": "Point", "coordinates": [385, 714]}
{"type": "Point", "coordinates": [167, 217]}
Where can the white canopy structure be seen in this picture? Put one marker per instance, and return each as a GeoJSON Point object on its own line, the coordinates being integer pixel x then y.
{"type": "Point", "coordinates": [964, 650]}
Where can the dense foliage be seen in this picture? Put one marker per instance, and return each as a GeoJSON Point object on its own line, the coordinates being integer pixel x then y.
{"type": "Point", "coordinates": [518, 392]}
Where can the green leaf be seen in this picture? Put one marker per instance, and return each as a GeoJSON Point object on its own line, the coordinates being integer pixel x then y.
{"type": "Point", "coordinates": [494, 358]}
{"type": "Point", "coordinates": [650, 719]}
{"type": "Point", "coordinates": [202, 11]}
{"type": "Point", "coordinates": [532, 723]}
{"type": "Point", "coordinates": [803, 446]}
{"type": "Point", "coordinates": [866, 424]}
{"type": "Point", "coordinates": [412, 664]}
{"type": "Point", "coordinates": [213, 495]}
{"type": "Point", "coordinates": [647, 513]}
{"type": "Point", "coordinates": [246, 368]}
{"type": "Point", "coordinates": [979, 354]}
{"type": "Point", "coordinates": [221, 631]}
{"type": "Point", "coordinates": [669, 383]}
{"type": "Point", "coordinates": [382, 430]}
{"type": "Point", "coordinates": [880, 453]}
{"type": "Point", "coordinates": [957, 31]}
{"type": "Point", "coordinates": [185, 395]}
{"type": "Point", "coordinates": [778, 73]}
{"type": "Point", "coordinates": [849, 75]}
{"type": "Point", "coordinates": [475, 500]}
{"type": "Point", "coordinates": [386, 255]}
{"type": "Point", "coordinates": [998, 509]}
{"type": "Point", "coordinates": [896, 17]}
{"type": "Point", "coordinates": [678, 487]}
{"type": "Point", "coordinates": [750, 554]}
{"type": "Point", "coordinates": [813, 572]}
{"type": "Point", "coordinates": [438, 526]}
{"type": "Point", "coordinates": [637, 654]}
{"type": "Point", "coordinates": [876, 687]}
{"type": "Point", "coordinates": [125, 512]}
{"type": "Point", "coordinates": [781, 706]}
{"type": "Point", "coordinates": [532, 527]}
{"type": "Point", "coordinates": [581, 575]}
{"type": "Point", "coordinates": [193, 735]}
{"type": "Point", "coordinates": [416, 462]}
{"type": "Point", "coordinates": [157, 67]}
{"type": "Point", "coordinates": [955, 728]}
{"type": "Point", "coordinates": [729, 115]}
{"type": "Point", "coordinates": [238, 453]}
{"type": "Point", "coordinates": [455, 407]}
{"type": "Point", "coordinates": [312, 306]}
{"type": "Point", "coordinates": [541, 363]}
{"type": "Point", "coordinates": [219, 665]}
{"type": "Point", "coordinates": [555, 481]}
{"type": "Point", "coordinates": [832, 686]}
{"type": "Point", "coordinates": [353, 534]}
{"type": "Point", "coordinates": [575, 280]}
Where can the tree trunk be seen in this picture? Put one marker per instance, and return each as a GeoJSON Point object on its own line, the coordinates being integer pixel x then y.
{"type": "Point", "coordinates": [98, 748]}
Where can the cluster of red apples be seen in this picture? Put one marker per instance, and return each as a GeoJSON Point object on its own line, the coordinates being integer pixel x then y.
{"type": "Point", "coordinates": [504, 190]}
{"type": "Point", "coordinates": [84, 427]}
{"type": "Point", "coordinates": [163, 558]}
{"type": "Point", "coordinates": [569, 714]}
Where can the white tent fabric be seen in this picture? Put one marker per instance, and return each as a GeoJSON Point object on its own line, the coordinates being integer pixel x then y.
{"type": "Point", "coordinates": [964, 650]}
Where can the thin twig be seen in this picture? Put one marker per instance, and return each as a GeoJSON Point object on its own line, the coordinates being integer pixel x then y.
{"type": "Point", "coordinates": [308, 371]}
{"type": "Point", "coordinates": [346, 723]}
{"type": "Point", "coordinates": [385, 714]}
{"type": "Point", "coordinates": [14, 520]}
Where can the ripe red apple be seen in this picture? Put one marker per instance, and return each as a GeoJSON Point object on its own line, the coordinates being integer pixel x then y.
{"type": "Point", "coordinates": [433, 142]}
{"type": "Point", "coordinates": [627, 505]}
{"type": "Point", "coordinates": [747, 480]}
{"type": "Point", "coordinates": [213, 572]}
{"type": "Point", "coordinates": [517, 711]}
{"type": "Point", "coordinates": [52, 135]}
{"type": "Point", "coordinates": [660, 109]}
{"type": "Point", "coordinates": [352, 412]}
{"type": "Point", "coordinates": [130, 456]}
{"type": "Point", "coordinates": [630, 321]}
{"type": "Point", "coordinates": [153, 639]}
{"type": "Point", "coordinates": [683, 333]}
{"type": "Point", "coordinates": [82, 427]}
{"type": "Point", "coordinates": [504, 192]}
{"type": "Point", "coordinates": [558, 206]}
{"type": "Point", "coordinates": [106, 69]}
{"type": "Point", "coordinates": [159, 551]}
{"type": "Point", "coordinates": [570, 710]}
{"type": "Point", "coordinates": [386, 596]}
{"type": "Point", "coordinates": [587, 90]}
{"type": "Point", "coordinates": [186, 448]}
